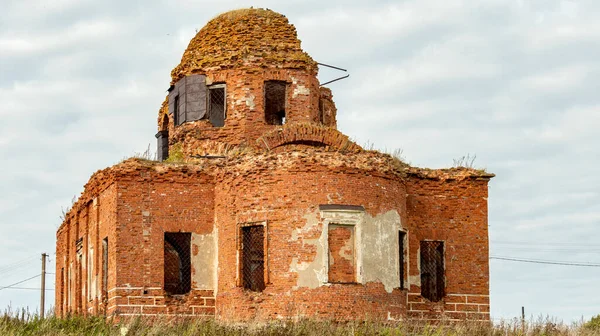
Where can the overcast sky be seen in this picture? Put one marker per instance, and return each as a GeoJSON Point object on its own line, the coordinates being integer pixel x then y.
{"type": "Point", "coordinates": [513, 82]}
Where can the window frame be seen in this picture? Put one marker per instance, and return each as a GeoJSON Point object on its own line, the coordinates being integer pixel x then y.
{"type": "Point", "coordinates": [341, 214]}
{"type": "Point", "coordinates": [441, 290]}
{"type": "Point", "coordinates": [185, 286]}
{"type": "Point", "coordinates": [105, 252]}
{"type": "Point", "coordinates": [285, 101]}
{"type": "Point", "coordinates": [240, 254]}
{"type": "Point", "coordinates": [402, 258]}
{"type": "Point", "coordinates": [210, 89]}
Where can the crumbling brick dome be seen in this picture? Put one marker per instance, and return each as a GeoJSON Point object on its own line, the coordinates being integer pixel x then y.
{"type": "Point", "coordinates": [244, 38]}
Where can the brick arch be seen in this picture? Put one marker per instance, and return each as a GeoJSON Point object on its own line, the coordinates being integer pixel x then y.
{"type": "Point", "coordinates": [307, 134]}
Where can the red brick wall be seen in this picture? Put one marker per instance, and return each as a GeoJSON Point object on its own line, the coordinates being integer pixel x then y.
{"type": "Point", "coordinates": [150, 204]}
{"type": "Point", "coordinates": [286, 199]}
{"type": "Point", "coordinates": [245, 121]}
{"type": "Point", "coordinates": [283, 192]}
{"type": "Point", "coordinates": [455, 212]}
{"type": "Point", "coordinates": [91, 223]}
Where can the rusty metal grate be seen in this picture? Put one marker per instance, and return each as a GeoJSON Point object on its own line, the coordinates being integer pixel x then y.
{"type": "Point", "coordinates": [177, 263]}
{"type": "Point", "coordinates": [432, 270]}
{"type": "Point", "coordinates": [217, 106]}
{"type": "Point", "coordinates": [253, 257]}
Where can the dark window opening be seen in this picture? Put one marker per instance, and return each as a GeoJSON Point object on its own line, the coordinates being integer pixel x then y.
{"type": "Point", "coordinates": [105, 268]}
{"type": "Point", "coordinates": [253, 258]}
{"type": "Point", "coordinates": [216, 105]}
{"type": "Point", "coordinates": [340, 240]}
{"type": "Point", "coordinates": [177, 263]}
{"type": "Point", "coordinates": [275, 92]}
{"type": "Point", "coordinates": [401, 237]}
{"type": "Point", "coordinates": [432, 270]}
{"type": "Point", "coordinates": [176, 111]}
{"type": "Point", "coordinates": [321, 112]}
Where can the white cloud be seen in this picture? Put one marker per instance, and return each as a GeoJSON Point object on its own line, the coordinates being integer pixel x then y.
{"type": "Point", "coordinates": [76, 35]}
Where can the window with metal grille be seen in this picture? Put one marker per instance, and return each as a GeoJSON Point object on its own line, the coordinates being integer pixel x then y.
{"type": "Point", "coordinates": [432, 270]}
{"type": "Point", "coordinates": [401, 239]}
{"type": "Point", "coordinates": [177, 263]}
{"type": "Point", "coordinates": [216, 105]}
{"type": "Point", "coordinates": [340, 240]}
{"type": "Point", "coordinates": [253, 257]}
{"type": "Point", "coordinates": [275, 92]}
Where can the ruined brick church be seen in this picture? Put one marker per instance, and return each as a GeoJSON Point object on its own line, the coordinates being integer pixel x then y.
{"type": "Point", "coordinates": [258, 208]}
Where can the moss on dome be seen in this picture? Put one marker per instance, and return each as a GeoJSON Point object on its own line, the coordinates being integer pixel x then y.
{"type": "Point", "coordinates": [244, 38]}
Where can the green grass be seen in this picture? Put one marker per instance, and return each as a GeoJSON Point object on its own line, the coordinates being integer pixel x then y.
{"type": "Point", "coordinates": [25, 323]}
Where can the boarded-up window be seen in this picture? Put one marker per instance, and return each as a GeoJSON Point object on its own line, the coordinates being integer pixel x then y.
{"type": "Point", "coordinates": [275, 92]}
{"type": "Point", "coordinates": [253, 257]}
{"type": "Point", "coordinates": [432, 270]}
{"type": "Point", "coordinates": [105, 268]}
{"type": "Point", "coordinates": [177, 263]}
{"type": "Point", "coordinates": [216, 105]}
{"type": "Point", "coordinates": [341, 253]}
{"type": "Point", "coordinates": [187, 99]}
{"type": "Point", "coordinates": [401, 238]}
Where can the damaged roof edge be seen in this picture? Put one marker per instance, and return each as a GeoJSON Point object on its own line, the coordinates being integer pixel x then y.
{"type": "Point", "coordinates": [457, 173]}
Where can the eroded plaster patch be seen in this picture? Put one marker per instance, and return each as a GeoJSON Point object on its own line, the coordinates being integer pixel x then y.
{"type": "Point", "coordinates": [311, 274]}
{"type": "Point", "coordinates": [301, 90]}
{"type": "Point", "coordinates": [379, 245]}
{"type": "Point", "coordinates": [376, 244]}
{"type": "Point", "coordinates": [250, 102]}
{"type": "Point", "coordinates": [203, 260]}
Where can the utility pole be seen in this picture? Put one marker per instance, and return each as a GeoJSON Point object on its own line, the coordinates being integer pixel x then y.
{"type": "Point", "coordinates": [523, 319]}
{"type": "Point", "coordinates": [43, 295]}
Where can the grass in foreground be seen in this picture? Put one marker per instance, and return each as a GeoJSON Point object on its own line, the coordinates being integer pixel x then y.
{"type": "Point", "coordinates": [24, 323]}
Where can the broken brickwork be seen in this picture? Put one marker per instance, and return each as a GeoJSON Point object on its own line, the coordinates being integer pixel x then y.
{"type": "Point", "coordinates": [263, 210]}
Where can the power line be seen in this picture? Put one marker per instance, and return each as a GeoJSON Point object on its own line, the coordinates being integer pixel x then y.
{"type": "Point", "coordinates": [547, 249]}
{"type": "Point", "coordinates": [16, 283]}
{"type": "Point", "coordinates": [542, 243]}
{"type": "Point", "coordinates": [16, 265]}
{"type": "Point", "coordinates": [549, 262]}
